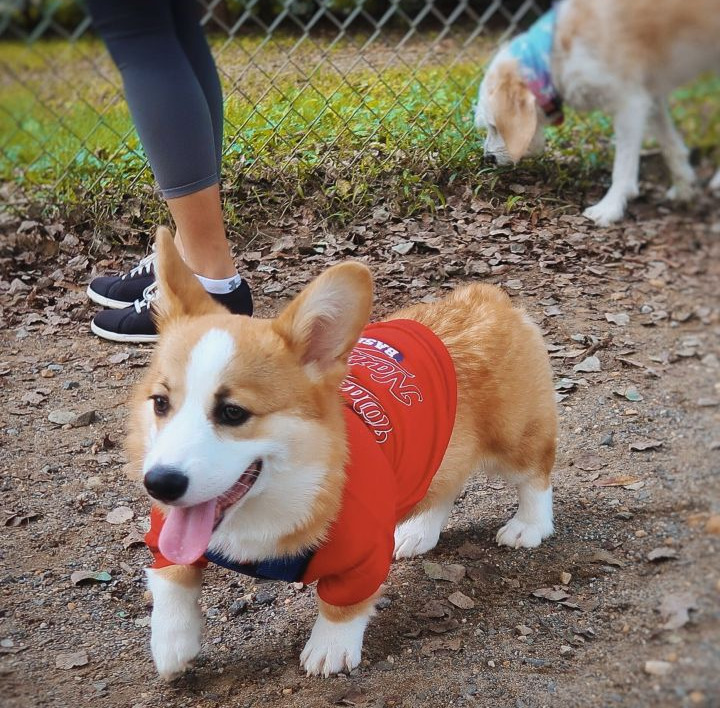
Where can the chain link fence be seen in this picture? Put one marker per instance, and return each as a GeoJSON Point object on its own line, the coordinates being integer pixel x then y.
{"type": "Point", "coordinates": [342, 86]}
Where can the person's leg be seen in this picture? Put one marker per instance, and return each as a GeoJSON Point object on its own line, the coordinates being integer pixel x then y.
{"type": "Point", "coordinates": [202, 240]}
{"type": "Point", "coordinates": [174, 122]}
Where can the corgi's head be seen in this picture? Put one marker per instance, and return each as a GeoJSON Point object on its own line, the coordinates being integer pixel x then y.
{"type": "Point", "coordinates": [237, 426]}
{"type": "Point", "coordinates": [509, 112]}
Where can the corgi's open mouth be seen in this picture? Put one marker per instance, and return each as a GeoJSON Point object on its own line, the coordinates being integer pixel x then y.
{"type": "Point", "coordinates": [185, 535]}
{"type": "Point", "coordinates": [237, 491]}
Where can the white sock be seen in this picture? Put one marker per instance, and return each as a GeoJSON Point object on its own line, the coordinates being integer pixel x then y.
{"type": "Point", "coordinates": [221, 286]}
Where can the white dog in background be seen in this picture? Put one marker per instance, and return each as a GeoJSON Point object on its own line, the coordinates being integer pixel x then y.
{"type": "Point", "coordinates": [620, 56]}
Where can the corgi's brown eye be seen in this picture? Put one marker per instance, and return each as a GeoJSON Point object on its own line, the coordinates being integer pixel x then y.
{"type": "Point", "coordinates": [161, 405]}
{"type": "Point", "coordinates": [229, 414]}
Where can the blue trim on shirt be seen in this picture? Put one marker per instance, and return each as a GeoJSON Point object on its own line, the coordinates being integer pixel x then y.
{"type": "Point", "coordinates": [290, 569]}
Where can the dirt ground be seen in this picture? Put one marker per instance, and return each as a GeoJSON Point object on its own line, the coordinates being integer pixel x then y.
{"type": "Point", "coordinates": [631, 576]}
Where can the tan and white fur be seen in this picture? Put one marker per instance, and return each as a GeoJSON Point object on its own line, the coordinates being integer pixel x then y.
{"type": "Point", "coordinates": [286, 373]}
{"type": "Point", "coordinates": [619, 56]}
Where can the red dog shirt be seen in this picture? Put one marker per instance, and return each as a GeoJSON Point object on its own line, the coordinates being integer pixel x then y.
{"type": "Point", "coordinates": [401, 395]}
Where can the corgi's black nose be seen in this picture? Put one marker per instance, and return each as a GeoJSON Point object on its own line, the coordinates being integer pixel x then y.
{"type": "Point", "coordinates": [490, 158]}
{"type": "Point", "coordinates": [165, 483]}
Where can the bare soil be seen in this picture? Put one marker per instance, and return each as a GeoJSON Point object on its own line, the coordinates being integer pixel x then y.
{"type": "Point", "coordinates": [633, 568]}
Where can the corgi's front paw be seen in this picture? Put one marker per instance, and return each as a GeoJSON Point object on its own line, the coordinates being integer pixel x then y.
{"type": "Point", "coordinates": [174, 648]}
{"type": "Point", "coordinates": [522, 534]}
{"type": "Point", "coordinates": [419, 534]}
{"type": "Point", "coordinates": [333, 646]}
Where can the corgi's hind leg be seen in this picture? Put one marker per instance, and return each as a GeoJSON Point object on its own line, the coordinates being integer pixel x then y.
{"type": "Point", "coordinates": [533, 520]}
{"type": "Point", "coordinates": [420, 533]}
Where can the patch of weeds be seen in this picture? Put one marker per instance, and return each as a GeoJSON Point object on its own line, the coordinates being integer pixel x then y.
{"type": "Point", "coordinates": [337, 142]}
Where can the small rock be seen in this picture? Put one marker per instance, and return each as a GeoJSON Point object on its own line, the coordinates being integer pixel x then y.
{"type": "Point", "coordinates": [565, 578]}
{"type": "Point", "coordinates": [265, 597]}
{"type": "Point", "coordinates": [120, 515]}
{"type": "Point", "coordinates": [523, 630]}
{"type": "Point", "coordinates": [238, 607]}
{"type": "Point", "coordinates": [566, 650]}
{"type": "Point", "coordinates": [658, 668]}
{"type": "Point", "coordinates": [60, 417]}
{"type": "Point", "coordinates": [607, 440]}
{"type": "Point", "coordinates": [383, 603]}
{"type": "Point", "coordinates": [69, 385]}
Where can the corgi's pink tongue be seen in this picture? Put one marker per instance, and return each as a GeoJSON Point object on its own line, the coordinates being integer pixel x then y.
{"type": "Point", "coordinates": [185, 536]}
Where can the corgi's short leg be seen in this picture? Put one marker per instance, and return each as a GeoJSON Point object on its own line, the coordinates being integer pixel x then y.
{"type": "Point", "coordinates": [336, 639]}
{"type": "Point", "coordinates": [629, 127]}
{"type": "Point", "coordinates": [176, 622]}
{"type": "Point", "coordinates": [421, 532]}
{"type": "Point", "coordinates": [533, 520]}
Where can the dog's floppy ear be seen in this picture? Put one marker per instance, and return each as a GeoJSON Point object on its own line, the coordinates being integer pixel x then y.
{"type": "Point", "coordinates": [323, 323]}
{"type": "Point", "coordinates": [515, 115]}
{"type": "Point", "coordinates": [181, 293]}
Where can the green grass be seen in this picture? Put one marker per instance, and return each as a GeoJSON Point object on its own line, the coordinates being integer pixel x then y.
{"type": "Point", "coordinates": [344, 139]}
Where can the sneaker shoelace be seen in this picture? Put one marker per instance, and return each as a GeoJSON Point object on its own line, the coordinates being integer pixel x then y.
{"type": "Point", "coordinates": [149, 294]}
{"type": "Point", "coordinates": [143, 267]}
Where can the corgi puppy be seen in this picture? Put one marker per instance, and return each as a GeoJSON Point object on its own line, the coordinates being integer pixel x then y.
{"type": "Point", "coordinates": [616, 56]}
{"type": "Point", "coordinates": [315, 447]}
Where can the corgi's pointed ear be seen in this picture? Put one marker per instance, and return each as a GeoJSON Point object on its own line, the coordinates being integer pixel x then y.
{"type": "Point", "coordinates": [181, 293]}
{"type": "Point", "coordinates": [323, 323]}
{"type": "Point", "coordinates": [516, 116]}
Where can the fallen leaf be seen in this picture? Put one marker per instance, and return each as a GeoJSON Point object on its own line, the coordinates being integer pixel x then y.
{"type": "Point", "coordinates": [630, 393]}
{"type": "Point", "coordinates": [120, 515]}
{"type": "Point", "coordinates": [472, 551]}
{"type": "Point", "coordinates": [461, 600]}
{"type": "Point", "coordinates": [643, 444]}
{"type": "Point", "coordinates": [452, 573]}
{"type": "Point", "coordinates": [620, 481]}
{"type": "Point", "coordinates": [20, 519]}
{"type": "Point", "coordinates": [588, 365]}
{"type": "Point", "coordinates": [675, 609]}
{"type": "Point", "coordinates": [554, 594]}
{"type": "Point", "coordinates": [403, 248]}
{"type": "Point", "coordinates": [70, 660]}
{"type": "Point", "coordinates": [80, 577]}
{"type": "Point", "coordinates": [444, 626]}
{"type": "Point", "coordinates": [118, 358]}
{"type": "Point", "coordinates": [433, 610]}
{"type": "Point", "coordinates": [662, 553]}
{"type": "Point", "coordinates": [590, 462]}
{"type": "Point", "coordinates": [618, 318]}
{"type": "Point", "coordinates": [134, 538]}
{"type": "Point", "coordinates": [600, 555]}
{"type": "Point", "coordinates": [635, 486]}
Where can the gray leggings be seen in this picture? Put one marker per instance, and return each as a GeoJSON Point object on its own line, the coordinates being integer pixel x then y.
{"type": "Point", "coordinates": [171, 85]}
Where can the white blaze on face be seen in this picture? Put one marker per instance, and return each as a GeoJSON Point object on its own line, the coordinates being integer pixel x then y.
{"type": "Point", "coordinates": [190, 441]}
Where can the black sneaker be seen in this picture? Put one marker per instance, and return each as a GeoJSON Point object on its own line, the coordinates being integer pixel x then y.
{"type": "Point", "coordinates": [121, 291]}
{"type": "Point", "coordinates": [136, 324]}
